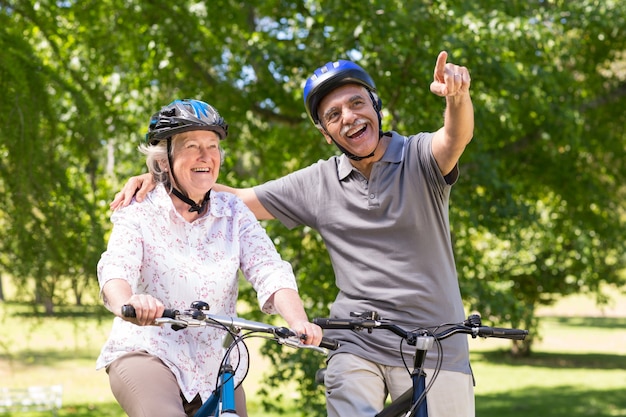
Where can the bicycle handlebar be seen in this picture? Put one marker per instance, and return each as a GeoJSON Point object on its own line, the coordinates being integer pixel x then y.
{"type": "Point", "coordinates": [198, 318]}
{"type": "Point", "coordinates": [129, 311]}
{"type": "Point", "coordinates": [501, 333]}
{"type": "Point", "coordinates": [472, 326]}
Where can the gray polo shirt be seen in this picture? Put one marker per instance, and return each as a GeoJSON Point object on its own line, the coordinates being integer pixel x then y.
{"type": "Point", "coordinates": [389, 242]}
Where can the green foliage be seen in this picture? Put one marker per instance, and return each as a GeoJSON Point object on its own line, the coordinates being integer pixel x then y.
{"type": "Point", "coordinates": [538, 211]}
{"type": "Point", "coordinates": [545, 209]}
{"type": "Point", "coordinates": [52, 228]}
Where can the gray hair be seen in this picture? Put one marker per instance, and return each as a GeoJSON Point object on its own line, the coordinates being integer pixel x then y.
{"type": "Point", "coordinates": [157, 162]}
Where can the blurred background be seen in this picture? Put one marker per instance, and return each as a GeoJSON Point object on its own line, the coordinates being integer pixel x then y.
{"type": "Point", "coordinates": [538, 215]}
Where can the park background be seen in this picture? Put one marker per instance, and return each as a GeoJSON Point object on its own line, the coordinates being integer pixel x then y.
{"type": "Point", "coordinates": [537, 216]}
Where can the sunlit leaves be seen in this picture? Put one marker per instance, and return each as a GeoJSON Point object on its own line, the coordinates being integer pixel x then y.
{"type": "Point", "coordinates": [538, 211]}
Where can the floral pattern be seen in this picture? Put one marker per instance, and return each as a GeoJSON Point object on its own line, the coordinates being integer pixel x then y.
{"type": "Point", "coordinates": [160, 253]}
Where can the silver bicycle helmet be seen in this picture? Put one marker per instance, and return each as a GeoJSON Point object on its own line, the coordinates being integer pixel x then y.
{"type": "Point", "coordinates": [183, 116]}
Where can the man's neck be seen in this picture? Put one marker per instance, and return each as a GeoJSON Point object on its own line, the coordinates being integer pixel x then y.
{"type": "Point", "coordinates": [365, 166]}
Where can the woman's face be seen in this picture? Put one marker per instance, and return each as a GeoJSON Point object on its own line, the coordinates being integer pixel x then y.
{"type": "Point", "coordinates": [196, 158]}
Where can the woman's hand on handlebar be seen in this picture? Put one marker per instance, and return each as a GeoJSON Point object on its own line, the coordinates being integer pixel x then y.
{"type": "Point", "coordinates": [147, 309]}
{"type": "Point", "coordinates": [137, 187]}
{"type": "Point", "coordinates": [311, 334]}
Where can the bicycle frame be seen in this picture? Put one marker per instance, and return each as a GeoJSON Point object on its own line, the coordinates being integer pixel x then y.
{"type": "Point", "coordinates": [222, 400]}
{"type": "Point", "coordinates": [413, 402]}
{"type": "Point", "coordinates": [418, 376]}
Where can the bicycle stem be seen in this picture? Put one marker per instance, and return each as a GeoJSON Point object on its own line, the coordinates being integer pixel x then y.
{"type": "Point", "coordinates": [418, 376]}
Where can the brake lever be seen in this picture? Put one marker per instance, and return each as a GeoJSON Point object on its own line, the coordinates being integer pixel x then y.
{"type": "Point", "coordinates": [297, 344]}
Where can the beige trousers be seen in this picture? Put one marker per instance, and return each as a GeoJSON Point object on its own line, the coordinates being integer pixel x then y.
{"type": "Point", "coordinates": [358, 387]}
{"type": "Point", "coordinates": [145, 387]}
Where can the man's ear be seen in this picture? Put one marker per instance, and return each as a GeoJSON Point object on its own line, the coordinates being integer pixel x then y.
{"type": "Point", "coordinates": [378, 103]}
{"type": "Point", "coordinates": [326, 136]}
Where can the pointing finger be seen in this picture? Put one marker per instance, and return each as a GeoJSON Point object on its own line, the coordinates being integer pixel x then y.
{"type": "Point", "coordinates": [440, 66]}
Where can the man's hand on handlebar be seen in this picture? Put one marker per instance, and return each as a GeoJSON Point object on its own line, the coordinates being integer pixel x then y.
{"type": "Point", "coordinates": [137, 187]}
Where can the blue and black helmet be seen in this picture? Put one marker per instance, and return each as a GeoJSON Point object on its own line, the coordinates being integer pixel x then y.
{"type": "Point", "coordinates": [183, 116]}
{"type": "Point", "coordinates": [333, 75]}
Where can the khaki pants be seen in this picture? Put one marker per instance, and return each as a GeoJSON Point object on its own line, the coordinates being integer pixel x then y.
{"type": "Point", "coordinates": [145, 387]}
{"type": "Point", "coordinates": [357, 387]}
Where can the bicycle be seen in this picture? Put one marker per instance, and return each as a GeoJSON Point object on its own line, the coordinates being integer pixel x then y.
{"type": "Point", "coordinates": [413, 402]}
{"type": "Point", "coordinates": [222, 400]}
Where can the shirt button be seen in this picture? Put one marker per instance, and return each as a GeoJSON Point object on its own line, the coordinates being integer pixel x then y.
{"type": "Point", "coordinates": [372, 196]}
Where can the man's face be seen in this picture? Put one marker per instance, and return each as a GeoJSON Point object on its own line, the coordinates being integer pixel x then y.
{"type": "Point", "coordinates": [349, 117]}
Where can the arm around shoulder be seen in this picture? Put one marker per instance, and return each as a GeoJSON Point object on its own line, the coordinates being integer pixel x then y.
{"type": "Point", "coordinates": [137, 187]}
{"type": "Point", "coordinates": [249, 197]}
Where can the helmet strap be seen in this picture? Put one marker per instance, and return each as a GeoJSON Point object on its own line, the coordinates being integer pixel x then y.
{"type": "Point", "coordinates": [350, 155]}
{"type": "Point", "coordinates": [194, 206]}
{"type": "Point", "coordinates": [199, 208]}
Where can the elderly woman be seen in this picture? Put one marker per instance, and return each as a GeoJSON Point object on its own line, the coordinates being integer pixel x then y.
{"type": "Point", "coordinates": [184, 243]}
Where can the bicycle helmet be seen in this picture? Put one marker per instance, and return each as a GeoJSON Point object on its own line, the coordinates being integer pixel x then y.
{"type": "Point", "coordinates": [333, 75]}
{"type": "Point", "coordinates": [183, 116]}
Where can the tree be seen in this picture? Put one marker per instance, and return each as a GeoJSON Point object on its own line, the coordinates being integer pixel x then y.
{"type": "Point", "coordinates": [546, 208]}
{"type": "Point", "coordinates": [538, 210]}
{"type": "Point", "coordinates": [53, 229]}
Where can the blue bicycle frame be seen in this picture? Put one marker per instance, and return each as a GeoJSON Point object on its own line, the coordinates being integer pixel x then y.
{"type": "Point", "coordinates": [418, 376]}
{"type": "Point", "coordinates": [222, 400]}
{"type": "Point", "coordinates": [224, 395]}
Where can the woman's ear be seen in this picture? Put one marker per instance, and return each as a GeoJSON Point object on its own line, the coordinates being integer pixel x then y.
{"type": "Point", "coordinates": [163, 165]}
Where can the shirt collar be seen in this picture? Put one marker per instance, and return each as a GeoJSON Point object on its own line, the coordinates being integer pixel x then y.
{"type": "Point", "coordinates": [218, 206]}
{"type": "Point", "coordinates": [393, 154]}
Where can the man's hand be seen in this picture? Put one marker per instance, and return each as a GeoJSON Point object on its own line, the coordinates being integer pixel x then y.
{"type": "Point", "coordinates": [137, 187]}
{"type": "Point", "coordinates": [449, 79]}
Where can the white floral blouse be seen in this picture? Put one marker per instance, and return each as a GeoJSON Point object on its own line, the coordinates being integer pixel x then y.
{"type": "Point", "coordinates": [160, 253]}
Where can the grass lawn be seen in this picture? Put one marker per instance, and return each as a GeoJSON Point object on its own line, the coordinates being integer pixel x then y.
{"type": "Point", "coordinates": [578, 368]}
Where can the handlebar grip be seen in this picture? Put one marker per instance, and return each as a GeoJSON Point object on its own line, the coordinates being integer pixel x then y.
{"type": "Point", "coordinates": [513, 334]}
{"type": "Point", "coordinates": [129, 311]}
{"type": "Point", "coordinates": [326, 323]}
{"type": "Point", "coordinates": [328, 343]}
